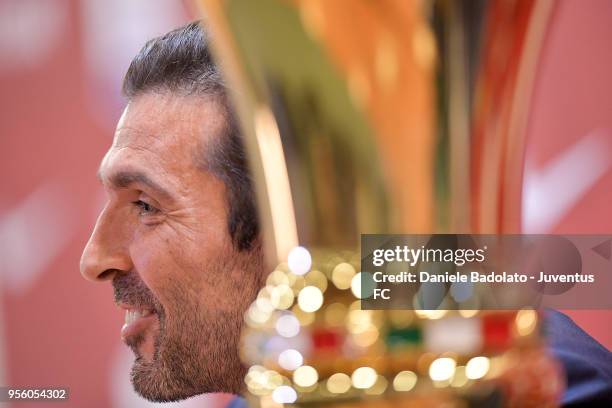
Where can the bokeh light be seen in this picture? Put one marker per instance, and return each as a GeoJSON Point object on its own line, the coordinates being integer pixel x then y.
{"type": "Point", "coordinates": [288, 325]}
{"type": "Point", "coordinates": [299, 260]}
{"type": "Point", "coordinates": [442, 369]}
{"type": "Point", "coordinates": [364, 377]}
{"type": "Point", "coordinates": [404, 381]}
{"type": "Point", "coordinates": [477, 367]}
{"type": "Point", "coordinates": [338, 383]}
{"type": "Point", "coordinates": [290, 359]}
{"type": "Point", "coordinates": [310, 299]}
{"type": "Point", "coordinates": [305, 376]}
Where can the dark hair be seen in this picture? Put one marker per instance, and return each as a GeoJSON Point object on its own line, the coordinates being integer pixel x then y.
{"type": "Point", "coordinates": [180, 62]}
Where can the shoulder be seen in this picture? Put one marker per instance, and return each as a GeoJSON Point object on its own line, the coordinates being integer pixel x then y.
{"type": "Point", "coordinates": [237, 402]}
{"type": "Point", "coordinates": [587, 364]}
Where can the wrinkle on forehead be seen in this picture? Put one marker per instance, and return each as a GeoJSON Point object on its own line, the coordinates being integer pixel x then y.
{"type": "Point", "coordinates": [175, 128]}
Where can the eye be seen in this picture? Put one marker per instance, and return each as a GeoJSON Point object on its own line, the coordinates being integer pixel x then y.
{"type": "Point", "coordinates": [145, 208]}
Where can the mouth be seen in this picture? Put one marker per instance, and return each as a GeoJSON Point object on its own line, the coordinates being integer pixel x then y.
{"type": "Point", "coordinates": [137, 322]}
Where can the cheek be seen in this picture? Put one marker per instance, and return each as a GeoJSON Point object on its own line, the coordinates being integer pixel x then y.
{"type": "Point", "coordinates": [164, 257]}
{"type": "Point", "coordinates": [155, 256]}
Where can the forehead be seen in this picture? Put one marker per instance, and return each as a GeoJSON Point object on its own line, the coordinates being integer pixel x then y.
{"type": "Point", "coordinates": [164, 121]}
{"type": "Point", "coordinates": [164, 132]}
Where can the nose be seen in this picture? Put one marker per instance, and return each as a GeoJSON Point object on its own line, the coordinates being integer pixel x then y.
{"type": "Point", "coordinates": [105, 253]}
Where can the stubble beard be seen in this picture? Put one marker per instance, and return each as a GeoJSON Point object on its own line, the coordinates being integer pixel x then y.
{"type": "Point", "coordinates": [196, 350]}
{"type": "Point", "coordinates": [192, 355]}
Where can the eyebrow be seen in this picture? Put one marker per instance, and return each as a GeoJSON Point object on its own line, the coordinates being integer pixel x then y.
{"type": "Point", "coordinates": [128, 178]}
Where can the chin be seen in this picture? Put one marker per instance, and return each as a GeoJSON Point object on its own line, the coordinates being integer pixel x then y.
{"type": "Point", "coordinates": [157, 386]}
{"type": "Point", "coordinates": [175, 379]}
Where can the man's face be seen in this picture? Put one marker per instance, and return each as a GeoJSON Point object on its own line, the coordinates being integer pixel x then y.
{"type": "Point", "coordinates": [162, 239]}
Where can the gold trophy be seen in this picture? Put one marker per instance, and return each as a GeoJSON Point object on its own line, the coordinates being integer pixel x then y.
{"type": "Point", "coordinates": [338, 105]}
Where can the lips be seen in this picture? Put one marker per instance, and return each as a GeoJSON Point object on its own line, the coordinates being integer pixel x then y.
{"type": "Point", "coordinates": [142, 311]}
{"type": "Point", "coordinates": [137, 321]}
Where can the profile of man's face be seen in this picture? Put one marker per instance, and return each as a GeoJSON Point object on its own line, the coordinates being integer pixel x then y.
{"type": "Point", "coordinates": [162, 240]}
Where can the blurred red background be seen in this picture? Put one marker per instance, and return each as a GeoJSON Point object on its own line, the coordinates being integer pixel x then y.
{"type": "Point", "coordinates": [61, 67]}
{"type": "Point", "coordinates": [62, 62]}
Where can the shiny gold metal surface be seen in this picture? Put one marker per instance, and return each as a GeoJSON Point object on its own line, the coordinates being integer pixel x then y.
{"type": "Point", "coordinates": [341, 104]}
{"type": "Point", "coordinates": [339, 121]}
